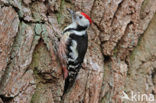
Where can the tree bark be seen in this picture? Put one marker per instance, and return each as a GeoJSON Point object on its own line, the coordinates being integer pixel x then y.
{"type": "Point", "coordinates": [121, 56]}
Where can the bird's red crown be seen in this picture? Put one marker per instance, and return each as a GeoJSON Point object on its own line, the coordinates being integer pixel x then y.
{"type": "Point", "coordinates": [87, 17]}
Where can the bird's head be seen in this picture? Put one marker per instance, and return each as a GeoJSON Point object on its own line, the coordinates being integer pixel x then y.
{"type": "Point", "coordinates": [80, 18]}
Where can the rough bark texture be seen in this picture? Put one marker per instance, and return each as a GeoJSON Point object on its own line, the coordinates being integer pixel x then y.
{"type": "Point", "coordinates": [121, 56]}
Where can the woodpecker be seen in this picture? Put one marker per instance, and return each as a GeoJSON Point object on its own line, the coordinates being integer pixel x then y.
{"type": "Point", "coordinates": [73, 46]}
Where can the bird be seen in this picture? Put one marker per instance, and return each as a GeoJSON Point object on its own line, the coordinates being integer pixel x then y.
{"type": "Point", "coordinates": [73, 46]}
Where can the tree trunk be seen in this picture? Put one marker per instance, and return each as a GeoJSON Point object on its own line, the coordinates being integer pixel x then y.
{"type": "Point", "coordinates": [120, 60]}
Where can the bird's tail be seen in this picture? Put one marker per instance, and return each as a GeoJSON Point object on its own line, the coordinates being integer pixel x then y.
{"type": "Point", "coordinates": [70, 80]}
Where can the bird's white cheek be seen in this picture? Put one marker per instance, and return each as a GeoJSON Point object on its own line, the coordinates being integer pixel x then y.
{"type": "Point", "coordinates": [84, 22]}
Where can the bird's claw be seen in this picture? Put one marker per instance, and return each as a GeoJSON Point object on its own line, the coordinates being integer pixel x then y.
{"type": "Point", "coordinates": [83, 66]}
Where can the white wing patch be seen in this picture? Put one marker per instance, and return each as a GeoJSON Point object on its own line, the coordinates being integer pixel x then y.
{"type": "Point", "coordinates": [74, 53]}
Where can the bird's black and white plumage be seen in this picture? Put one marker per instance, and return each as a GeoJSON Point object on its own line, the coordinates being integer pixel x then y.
{"type": "Point", "coordinates": [73, 47]}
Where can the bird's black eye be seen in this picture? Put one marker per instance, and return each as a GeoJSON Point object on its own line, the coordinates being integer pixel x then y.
{"type": "Point", "coordinates": [80, 17]}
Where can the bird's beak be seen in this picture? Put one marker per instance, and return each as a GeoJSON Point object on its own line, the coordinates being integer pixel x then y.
{"type": "Point", "coordinates": [72, 13]}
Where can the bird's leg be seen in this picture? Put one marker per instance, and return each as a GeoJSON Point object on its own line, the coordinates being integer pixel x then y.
{"type": "Point", "coordinates": [65, 72]}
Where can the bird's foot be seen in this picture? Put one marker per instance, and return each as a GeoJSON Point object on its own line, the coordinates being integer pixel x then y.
{"type": "Point", "coordinates": [65, 73]}
{"type": "Point", "coordinates": [83, 66]}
